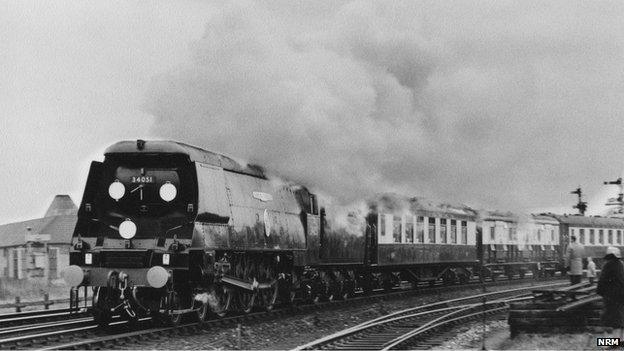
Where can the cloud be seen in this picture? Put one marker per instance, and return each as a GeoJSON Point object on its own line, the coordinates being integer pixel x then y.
{"type": "Point", "coordinates": [73, 80]}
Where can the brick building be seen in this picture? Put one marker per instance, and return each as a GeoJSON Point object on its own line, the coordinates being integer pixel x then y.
{"type": "Point", "coordinates": [38, 248]}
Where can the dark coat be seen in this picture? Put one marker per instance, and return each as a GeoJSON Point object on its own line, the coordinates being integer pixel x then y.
{"type": "Point", "coordinates": [611, 288]}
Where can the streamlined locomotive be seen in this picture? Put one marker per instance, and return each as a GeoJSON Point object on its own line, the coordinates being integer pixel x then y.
{"type": "Point", "coordinates": [165, 228]}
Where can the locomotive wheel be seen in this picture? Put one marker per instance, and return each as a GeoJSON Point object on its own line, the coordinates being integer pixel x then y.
{"type": "Point", "coordinates": [246, 270]}
{"type": "Point", "coordinates": [268, 297]}
{"type": "Point", "coordinates": [333, 290]}
{"type": "Point", "coordinates": [220, 300]}
{"type": "Point", "coordinates": [346, 289]}
{"type": "Point", "coordinates": [348, 285]}
{"type": "Point", "coordinates": [202, 313]}
{"type": "Point", "coordinates": [315, 291]}
{"type": "Point", "coordinates": [290, 290]}
{"type": "Point", "coordinates": [247, 300]}
{"type": "Point", "coordinates": [173, 303]}
{"type": "Point", "coordinates": [101, 312]}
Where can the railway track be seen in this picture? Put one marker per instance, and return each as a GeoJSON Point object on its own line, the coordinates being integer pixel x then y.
{"type": "Point", "coordinates": [80, 332]}
{"type": "Point", "coordinates": [416, 328]}
{"type": "Point", "coordinates": [34, 317]}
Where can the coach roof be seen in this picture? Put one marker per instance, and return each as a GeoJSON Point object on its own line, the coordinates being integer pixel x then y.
{"type": "Point", "coordinates": [194, 153]}
{"type": "Point", "coordinates": [589, 221]}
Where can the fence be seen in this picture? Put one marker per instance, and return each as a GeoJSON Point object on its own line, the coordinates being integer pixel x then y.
{"type": "Point", "coordinates": [46, 302]}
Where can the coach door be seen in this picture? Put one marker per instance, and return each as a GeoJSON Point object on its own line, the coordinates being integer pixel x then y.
{"type": "Point", "coordinates": [370, 256]}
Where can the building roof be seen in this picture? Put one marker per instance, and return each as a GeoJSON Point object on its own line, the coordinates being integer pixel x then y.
{"type": "Point", "coordinates": [58, 223]}
{"type": "Point", "coordinates": [194, 153]}
{"type": "Point", "coordinates": [14, 234]}
{"type": "Point", "coordinates": [60, 228]}
{"type": "Point", "coordinates": [61, 205]}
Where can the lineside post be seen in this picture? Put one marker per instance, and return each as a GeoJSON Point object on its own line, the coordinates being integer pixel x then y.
{"type": "Point", "coordinates": [483, 331]}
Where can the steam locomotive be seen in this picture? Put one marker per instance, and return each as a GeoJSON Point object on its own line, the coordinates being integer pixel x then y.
{"type": "Point", "coordinates": [166, 229]}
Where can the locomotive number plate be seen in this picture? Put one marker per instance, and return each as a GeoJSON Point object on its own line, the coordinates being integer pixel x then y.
{"type": "Point", "coordinates": [144, 179]}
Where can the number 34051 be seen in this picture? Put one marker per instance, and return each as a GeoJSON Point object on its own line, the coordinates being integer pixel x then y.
{"type": "Point", "coordinates": [145, 179]}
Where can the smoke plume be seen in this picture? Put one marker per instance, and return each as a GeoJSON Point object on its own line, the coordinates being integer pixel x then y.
{"type": "Point", "coordinates": [481, 103]}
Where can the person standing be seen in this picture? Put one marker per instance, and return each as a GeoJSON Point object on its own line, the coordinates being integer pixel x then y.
{"type": "Point", "coordinates": [574, 260]}
{"type": "Point", "coordinates": [611, 288]}
{"type": "Point", "coordinates": [591, 270]}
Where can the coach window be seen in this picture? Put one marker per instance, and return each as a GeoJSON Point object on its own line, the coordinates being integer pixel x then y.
{"type": "Point", "coordinates": [591, 236]}
{"type": "Point", "coordinates": [539, 235]}
{"type": "Point", "coordinates": [510, 234]}
{"type": "Point", "coordinates": [443, 230]}
{"type": "Point", "coordinates": [600, 237]}
{"type": "Point", "coordinates": [453, 231]}
{"type": "Point", "coordinates": [552, 235]}
{"type": "Point", "coordinates": [464, 232]}
{"type": "Point", "coordinates": [492, 233]}
{"type": "Point", "coordinates": [382, 224]}
{"type": "Point", "coordinates": [582, 236]}
{"type": "Point", "coordinates": [432, 230]}
{"type": "Point", "coordinates": [610, 236]}
{"type": "Point", "coordinates": [409, 229]}
{"type": "Point", "coordinates": [396, 229]}
{"type": "Point", "coordinates": [420, 229]}
{"type": "Point", "coordinates": [313, 205]}
{"type": "Point", "coordinates": [619, 236]}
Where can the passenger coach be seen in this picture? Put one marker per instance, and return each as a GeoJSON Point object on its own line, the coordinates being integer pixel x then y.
{"type": "Point", "coordinates": [595, 233]}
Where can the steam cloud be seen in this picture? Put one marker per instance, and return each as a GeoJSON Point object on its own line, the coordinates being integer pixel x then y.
{"type": "Point", "coordinates": [483, 103]}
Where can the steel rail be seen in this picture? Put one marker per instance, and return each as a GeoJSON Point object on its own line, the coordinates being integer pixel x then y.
{"type": "Point", "coordinates": [86, 341]}
{"type": "Point", "coordinates": [452, 317]}
{"type": "Point", "coordinates": [393, 317]}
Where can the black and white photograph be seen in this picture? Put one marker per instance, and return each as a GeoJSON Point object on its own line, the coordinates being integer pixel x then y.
{"type": "Point", "coordinates": [311, 175]}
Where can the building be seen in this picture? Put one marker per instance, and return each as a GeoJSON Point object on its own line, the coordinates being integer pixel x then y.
{"type": "Point", "coordinates": [39, 248]}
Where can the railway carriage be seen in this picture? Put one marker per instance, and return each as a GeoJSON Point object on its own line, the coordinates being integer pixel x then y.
{"type": "Point", "coordinates": [426, 241]}
{"type": "Point", "coordinates": [595, 233]}
{"type": "Point", "coordinates": [546, 235]}
{"type": "Point", "coordinates": [514, 244]}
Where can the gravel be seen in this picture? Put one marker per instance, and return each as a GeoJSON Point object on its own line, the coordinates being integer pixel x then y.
{"type": "Point", "coordinates": [291, 331]}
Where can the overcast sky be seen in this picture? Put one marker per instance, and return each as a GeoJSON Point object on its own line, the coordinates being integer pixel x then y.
{"type": "Point", "coordinates": [495, 104]}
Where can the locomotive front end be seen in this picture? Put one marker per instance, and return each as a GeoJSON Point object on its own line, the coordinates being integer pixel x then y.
{"type": "Point", "coordinates": [134, 231]}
